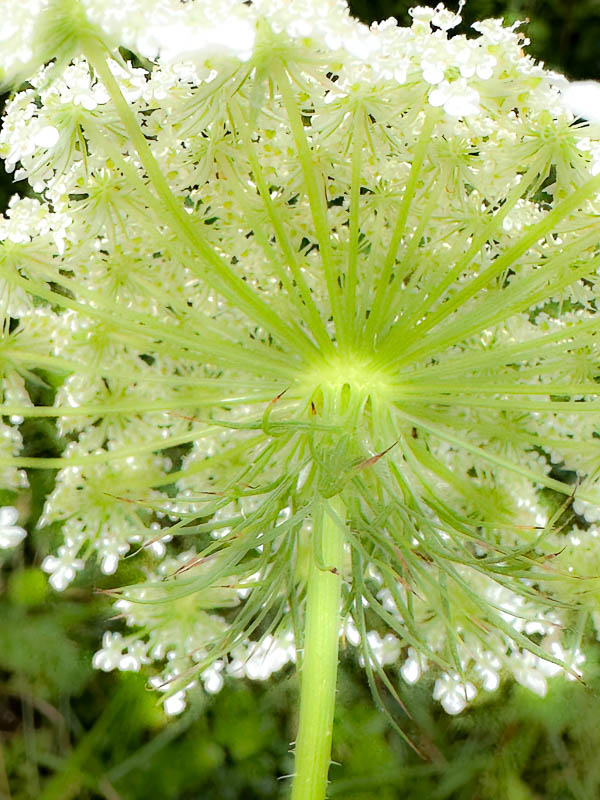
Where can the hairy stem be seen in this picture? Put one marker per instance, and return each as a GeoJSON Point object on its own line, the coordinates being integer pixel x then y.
{"type": "Point", "coordinates": [319, 664]}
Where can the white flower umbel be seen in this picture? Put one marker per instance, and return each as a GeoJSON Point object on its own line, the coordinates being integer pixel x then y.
{"type": "Point", "coordinates": [318, 305]}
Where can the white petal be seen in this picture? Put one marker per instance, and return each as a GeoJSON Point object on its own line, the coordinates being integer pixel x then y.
{"type": "Point", "coordinates": [129, 663]}
{"type": "Point", "coordinates": [583, 99]}
{"type": "Point", "coordinates": [411, 671]}
{"type": "Point", "coordinates": [8, 515]}
{"type": "Point", "coordinates": [175, 704]}
{"type": "Point", "coordinates": [11, 536]}
{"type": "Point", "coordinates": [104, 661]}
{"type": "Point", "coordinates": [110, 564]}
{"type": "Point", "coordinates": [47, 136]}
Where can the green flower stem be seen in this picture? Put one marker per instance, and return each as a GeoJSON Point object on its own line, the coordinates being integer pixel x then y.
{"type": "Point", "coordinates": [462, 261]}
{"type": "Point", "coordinates": [549, 345]}
{"type": "Point", "coordinates": [103, 456]}
{"type": "Point", "coordinates": [102, 142]}
{"type": "Point", "coordinates": [532, 289]}
{"type": "Point", "coordinates": [540, 407]}
{"type": "Point", "coordinates": [230, 285]}
{"type": "Point", "coordinates": [299, 286]}
{"type": "Point", "coordinates": [380, 304]}
{"type": "Point", "coordinates": [351, 277]}
{"type": "Point", "coordinates": [131, 406]}
{"type": "Point", "coordinates": [318, 671]}
{"type": "Point", "coordinates": [232, 353]}
{"type": "Point", "coordinates": [534, 233]}
{"type": "Point", "coordinates": [315, 191]}
{"type": "Point", "coordinates": [423, 389]}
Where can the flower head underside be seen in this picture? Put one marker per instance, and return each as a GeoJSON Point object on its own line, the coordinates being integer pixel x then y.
{"type": "Point", "coordinates": [341, 262]}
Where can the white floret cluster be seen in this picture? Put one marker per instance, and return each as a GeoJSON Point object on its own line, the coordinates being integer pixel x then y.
{"type": "Point", "coordinates": [287, 257]}
{"type": "Point", "coordinates": [11, 535]}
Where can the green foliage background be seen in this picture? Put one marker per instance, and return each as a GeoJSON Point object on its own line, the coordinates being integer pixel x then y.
{"type": "Point", "coordinates": [69, 732]}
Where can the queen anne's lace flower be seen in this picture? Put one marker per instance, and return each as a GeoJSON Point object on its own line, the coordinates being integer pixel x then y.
{"type": "Point", "coordinates": [296, 275]}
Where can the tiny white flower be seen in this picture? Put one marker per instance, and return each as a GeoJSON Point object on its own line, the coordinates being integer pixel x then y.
{"type": "Point", "coordinates": [433, 72]}
{"type": "Point", "coordinates": [111, 653]}
{"type": "Point", "coordinates": [445, 19]}
{"type": "Point", "coordinates": [351, 632]}
{"type": "Point", "coordinates": [10, 534]}
{"type": "Point", "coordinates": [267, 657]}
{"type": "Point", "coordinates": [78, 89]}
{"type": "Point", "coordinates": [457, 98]}
{"type": "Point", "coordinates": [212, 677]}
{"type": "Point", "coordinates": [413, 667]}
{"type": "Point", "coordinates": [261, 659]}
{"type": "Point", "coordinates": [110, 551]}
{"type": "Point", "coordinates": [529, 670]}
{"type": "Point", "coordinates": [421, 16]}
{"type": "Point", "coordinates": [175, 704]}
{"type": "Point", "coordinates": [453, 693]}
{"type": "Point", "coordinates": [382, 651]}
{"type": "Point", "coordinates": [134, 657]}
{"type": "Point", "coordinates": [62, 568]}
{"type": "Point", "coordinates": [488, 666]}
{"type": "Point", "coordinates": [47, 136]}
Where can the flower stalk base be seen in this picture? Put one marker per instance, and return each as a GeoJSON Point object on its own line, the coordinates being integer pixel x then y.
{"type": "Point", "coordinates": [318, 671]}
